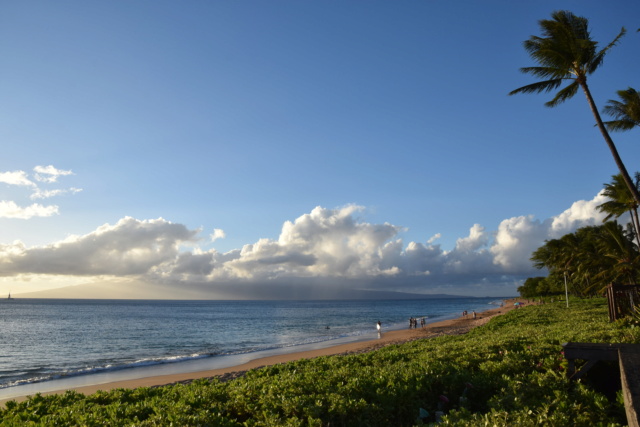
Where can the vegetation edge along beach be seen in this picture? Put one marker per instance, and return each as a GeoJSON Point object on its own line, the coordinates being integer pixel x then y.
{"type": "Point", "coordinates": [510, 371]}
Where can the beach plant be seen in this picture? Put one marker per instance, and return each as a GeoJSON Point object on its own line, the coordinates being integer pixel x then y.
{"type": "Point", "coordinates": [511, 371]}
{"type": "Point", "coordinates": [566, 53]}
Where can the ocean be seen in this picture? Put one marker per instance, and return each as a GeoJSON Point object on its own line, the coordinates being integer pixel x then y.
{"type": "Point", "coordinates": [44, 341]}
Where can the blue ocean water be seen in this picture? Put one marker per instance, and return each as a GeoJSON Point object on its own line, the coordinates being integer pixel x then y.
{"type": "Point", "coordinates": [42, 340]}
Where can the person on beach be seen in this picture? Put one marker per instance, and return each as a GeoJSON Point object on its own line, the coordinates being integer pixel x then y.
{"type": "Point", "coordinates": [379, 326]}
{"type": "Point", "coordinates": [474, 315]}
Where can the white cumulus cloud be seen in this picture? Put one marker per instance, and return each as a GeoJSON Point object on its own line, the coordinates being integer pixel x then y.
{"type": "Point", "coordinates": [217, 234]}
{"type": "Point", "coordinates": [518, 237]}
{"type": "Point", "coordinates": [9, 209]}
{"type": "Point", "coordinates": [325, 248]}
{"type": "Point", "coordinates": [580, 214]}
{"type": "Point", "coordinates": [127, 248]}
{"type": "Point", "coordinates": [19, 178]}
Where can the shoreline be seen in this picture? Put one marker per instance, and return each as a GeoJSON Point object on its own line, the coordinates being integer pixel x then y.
{"type": "Point", "coordinates": [455, 326]}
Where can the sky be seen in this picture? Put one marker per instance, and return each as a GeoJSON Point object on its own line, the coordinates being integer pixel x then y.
{"type": "Point", "coordinates": [246, 149]}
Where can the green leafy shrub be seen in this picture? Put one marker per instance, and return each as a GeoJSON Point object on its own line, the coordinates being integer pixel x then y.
{"type": "Point", "coordinates": [509, 372]}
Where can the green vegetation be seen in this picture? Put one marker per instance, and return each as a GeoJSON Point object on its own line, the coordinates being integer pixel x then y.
{"type": "Point", "coordinates": [626, 112]}
{"type": "Point", "coordinates": [592, 257]}
{"type": "Point", "coordinates": [535, 287]}
{"type": "Point", "coordinates": [620, 201]}
{"type": "Point", "coordinates": [589, 260]}
{"type": "Point", "coordinates": [508, 372]}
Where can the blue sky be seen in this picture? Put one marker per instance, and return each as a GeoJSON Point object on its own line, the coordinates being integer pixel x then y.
{"type": "Point", "coordinates": [240, 116]}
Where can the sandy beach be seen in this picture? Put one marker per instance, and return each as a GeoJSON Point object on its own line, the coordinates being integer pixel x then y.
{"type": "Point", "coordinates": [455, 326]}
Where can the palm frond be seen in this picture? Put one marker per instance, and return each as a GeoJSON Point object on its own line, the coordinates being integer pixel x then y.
{"type": "Point", "coordinates": [564, 94]}
{"type": "Point", "coordinates": [546, 72]}
{"type": "Point", "coordinates": [626, 112]}
{"type": "Point", "coordinates": [614, 109]}
{"type": "Point", "coordinates": [620, 125]}
{"type": "Point", "coordinates": [545, 86]}
{"type": "Point", "coordinates": [598, 58]}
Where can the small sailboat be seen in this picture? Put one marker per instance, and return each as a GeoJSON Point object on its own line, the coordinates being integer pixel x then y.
{"type": "Point", "coordinates": [9, 296]}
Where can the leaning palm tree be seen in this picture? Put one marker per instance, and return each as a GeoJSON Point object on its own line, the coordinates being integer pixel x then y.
{"type": "Point", "coordinates": [566, 52]}
{"type": "Point", "coordinates": [620, 201]}
{"type": "Point", "coordinates": [621, 252]}
{"type": "Point", "coordinates": [626, 112]}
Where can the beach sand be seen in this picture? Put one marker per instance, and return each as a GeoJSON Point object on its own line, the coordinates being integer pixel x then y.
{"type": "Point", "coordinates": [455, 326]}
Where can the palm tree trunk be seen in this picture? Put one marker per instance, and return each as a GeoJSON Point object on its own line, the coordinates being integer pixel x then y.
{"type": "Point", "coordinates": [610, 144]}
{"type": "Point", "coordinates": [636, 224]}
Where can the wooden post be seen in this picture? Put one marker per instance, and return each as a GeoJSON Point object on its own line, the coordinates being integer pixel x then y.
{"type": "Point", "coordinates": [630, 377]}
{"type": "Point", "coordinates": [611, 302]}
{"type": "Point", "coordinates": [628, 357]}
{"type": "Point", "coordinates": [622, 300]}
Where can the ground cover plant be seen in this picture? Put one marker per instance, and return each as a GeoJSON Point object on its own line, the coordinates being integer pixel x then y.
{"type": "Point", "coordinates": [510, 371]}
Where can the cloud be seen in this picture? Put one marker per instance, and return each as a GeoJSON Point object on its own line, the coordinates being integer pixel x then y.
{"type": "Point", "coordinates": [518, 237]}
{"type": "Point", "coordinates": [19, 178]}
{"type": "Point", "coordinates": [334, 246]}
{"type": "Point", "coordinates": [9, 209]}
{"type": "Point", "coordinates": [44, 174]}
{"type": "Point", "coordinates": [434, 238]}
{"type": "Point", "coordinates": [332, 249]}
{"type": "Point", "coordinates": [130, 247]}
{"type": "Point", "coordinates": [46, 194]}
{"type": "Point", "coordinates": [580, 214]}
{"type": "Point", "coordinates": [477, 239]}
{"type": "Point", "coordinates": [217, 234]}
{"type": "Point", "coordinates": [49, 173]}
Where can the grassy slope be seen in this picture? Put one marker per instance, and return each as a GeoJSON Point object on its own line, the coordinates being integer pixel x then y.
{"type": "Point", "coordinates": [514, 364]}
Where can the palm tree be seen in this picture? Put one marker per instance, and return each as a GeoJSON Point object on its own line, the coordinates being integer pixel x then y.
{"type": "Point", "coordinates": [621, 201]}
{"type": "Point", "coordinates": [622, 253]}
{"type": "Point", "coordinates": [626, 112]}
{"type": "Point", "coordinates": [567, 53]}
{"type": "Point", "coordinates": [590, 258]}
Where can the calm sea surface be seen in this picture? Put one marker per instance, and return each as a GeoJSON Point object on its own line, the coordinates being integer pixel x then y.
{"type": "Point", "coordinates": [42, 340]}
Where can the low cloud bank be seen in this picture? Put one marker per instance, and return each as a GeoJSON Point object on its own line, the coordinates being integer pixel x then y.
{"type": "Point", "coordinates": [326, 249]}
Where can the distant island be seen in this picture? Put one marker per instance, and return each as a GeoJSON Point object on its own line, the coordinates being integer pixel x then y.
{"type": "Point", "coordinates": [285, 290]}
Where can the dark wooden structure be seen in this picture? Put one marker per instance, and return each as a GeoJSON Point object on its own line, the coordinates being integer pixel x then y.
{"type": "Point", "coordinates": [628, 357]}
{"type": "Point", "coordinates": [623, 300]}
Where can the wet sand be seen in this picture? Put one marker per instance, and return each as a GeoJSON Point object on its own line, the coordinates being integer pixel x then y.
{"type": "Point", "coordinates": [455, 326]}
